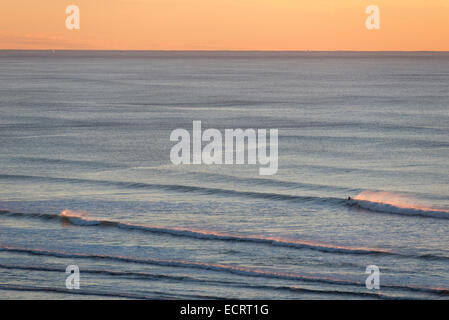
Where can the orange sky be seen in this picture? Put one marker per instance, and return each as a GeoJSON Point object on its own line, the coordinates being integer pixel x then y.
{"type": "Point", "coordinates": [225, 25]}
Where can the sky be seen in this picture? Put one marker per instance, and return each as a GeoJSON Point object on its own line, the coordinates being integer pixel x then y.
{"type": "Point", "coordinates": [405, 25]}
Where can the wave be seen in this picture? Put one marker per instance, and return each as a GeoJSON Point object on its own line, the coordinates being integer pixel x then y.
{"type": "Point", "coordinates": [374, 295]}
{"type": "Point", "coordinates": [106, 294]}
{"type": "Point", "coordinates": [232, 269]}
{"type": "Point", "coordinates": [227, 268]}
{"type": "Point", "coordinates": [75, 218]}
{"type": "Point", "coordinates": [269, 182]}
{"type": "Point", "coordinates": [146, 276]}
{"type": "Point", "coordinates": [81, 219]}
{"type": "Point", "coordinates": [63, 162]}
{"type": "Point", "coordinates": [182, 188]}
{"type": "Point", "coordinates": [295, 289]}
{"type": "Point", "coordinates": [13, 287]}
{"type": "Point", "coordinates": [139, 275]}
{"type": "Point", "coordinates": [396, 203]}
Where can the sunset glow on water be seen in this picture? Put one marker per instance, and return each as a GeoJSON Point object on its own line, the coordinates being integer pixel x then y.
{"type": "Point", "coordinates": [86, 177]}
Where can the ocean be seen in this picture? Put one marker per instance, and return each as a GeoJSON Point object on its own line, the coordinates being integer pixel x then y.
{"type": "Point", "coordinates": [86, 177]}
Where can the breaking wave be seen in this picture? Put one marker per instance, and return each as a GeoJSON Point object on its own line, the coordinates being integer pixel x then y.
{"type": "Point", "coordinates": [396, 203]}
{"type": "Point", "coordinates": [82, 219]}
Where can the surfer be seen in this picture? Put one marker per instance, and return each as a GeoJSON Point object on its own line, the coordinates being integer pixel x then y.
{"type": "Point", "coordinates": [349, 198]}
